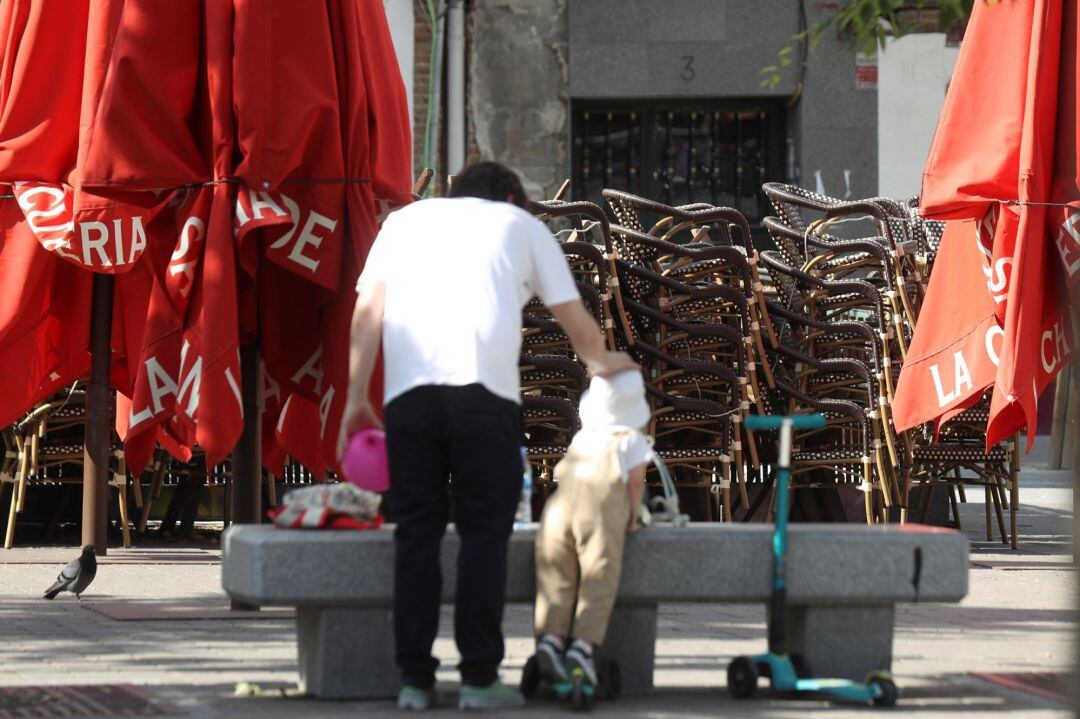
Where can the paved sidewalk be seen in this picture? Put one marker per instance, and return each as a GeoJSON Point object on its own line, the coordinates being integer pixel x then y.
{"type": "Point", "coordinates": [1017, 618]}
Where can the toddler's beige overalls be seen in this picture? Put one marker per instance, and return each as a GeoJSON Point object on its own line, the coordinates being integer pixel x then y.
{"type": "Point", "coordinates": [580, 546]}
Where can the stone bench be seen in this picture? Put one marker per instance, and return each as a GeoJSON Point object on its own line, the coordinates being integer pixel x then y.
{"type": "Point", "coordinates": [843, 584]}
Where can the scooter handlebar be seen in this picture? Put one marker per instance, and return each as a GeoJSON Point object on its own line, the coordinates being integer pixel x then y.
{"type": "Point", "coordinates": [774, 421]}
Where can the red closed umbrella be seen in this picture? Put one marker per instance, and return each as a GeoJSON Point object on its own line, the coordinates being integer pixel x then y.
{"type": "Point", "coordinates": [156, 136]}
{"type": "Point", "coordinates": [993, 316]}
{"type": "Point", "coordinates": [44, 139]}
{"type": "Point", "coordinates": [291, 214]}
{"type": "Point", "coordinates": [376, 143]}
{"type": "Point", "coordinates": [44, 318]}
{"type": "Point", "coordinates": [228, 161]}
{"type": "Point", "coordinates": [44, 313]}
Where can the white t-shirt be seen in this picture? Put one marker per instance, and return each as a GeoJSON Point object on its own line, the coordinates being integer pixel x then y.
{"type": "Point", "coordinates": [632, 451]}
{"type": "Point", "coordinates": [457, 274]}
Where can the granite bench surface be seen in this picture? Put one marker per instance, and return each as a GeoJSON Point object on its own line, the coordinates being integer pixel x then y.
{"type": "Point", "coordinates": [827, 565]}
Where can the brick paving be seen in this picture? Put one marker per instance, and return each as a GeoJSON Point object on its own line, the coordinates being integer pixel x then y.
{"type": "Point", "coordinates": [1018, 617]}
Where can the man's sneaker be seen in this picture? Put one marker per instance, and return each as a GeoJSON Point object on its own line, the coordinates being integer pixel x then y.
{"type": "Point", "coordinates": [494, 696]}
{"type": "Point", "coordinates": [549, 660]}
{"type": "Point", "coordinates": [579, 658]}
{"type": "Point", "coordinates": [415, 699]}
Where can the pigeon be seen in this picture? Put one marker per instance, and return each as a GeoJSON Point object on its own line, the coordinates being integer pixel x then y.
{"type": "Point", "coordinates": [76, 576]}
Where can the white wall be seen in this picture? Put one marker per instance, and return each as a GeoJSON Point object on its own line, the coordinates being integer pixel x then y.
{"type": "Point", "coordinates": [913, 74]}
{"type": "Point", "coordinates": [399, 13]}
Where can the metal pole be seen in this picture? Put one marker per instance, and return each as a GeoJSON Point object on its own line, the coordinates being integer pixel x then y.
{"type": "Point", "coordinates": [246, 504]}
{"type": "Point", "coordinates": [431, 131]}
{"type": "Point", "coordinates": [247, 456]}
{"type": "Point", "coordinates": [98, 418]}
{"type": "Point", "coordinates": [455, 81]}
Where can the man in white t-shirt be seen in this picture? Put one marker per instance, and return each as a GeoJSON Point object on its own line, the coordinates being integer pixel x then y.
{"type": "Point", "coordinates": [443, 288]}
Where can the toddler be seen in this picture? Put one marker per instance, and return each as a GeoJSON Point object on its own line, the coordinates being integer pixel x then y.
{"type": "Point", "coordinates": [579, 549]}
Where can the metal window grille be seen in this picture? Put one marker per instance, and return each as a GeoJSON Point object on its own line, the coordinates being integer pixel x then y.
{"type": "Point", "coordinates": [719, 152]}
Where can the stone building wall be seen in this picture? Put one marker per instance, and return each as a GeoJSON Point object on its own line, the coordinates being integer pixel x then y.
{"type": "Point", "coordinates": [517, 93]}
{"type": "Point", "coordinates": [836, 127]}
{"type": "Point", "coordinates": [529, 59]}
{"type": "Point", "coordinates": [716, 49]}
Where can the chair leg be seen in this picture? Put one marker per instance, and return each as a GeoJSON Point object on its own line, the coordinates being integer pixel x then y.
{"type": "Point", "coordinates": [868, 490]}
{"type": "Point", "coordinates": [121, 489]}
{"type": "Point", "coordinates": [1014, 504]}
{"type": "Point", "coordinates": [955, 506]}
{"type": "Point", "coordinates": [990, 499]}
{"type": "Point", "coordinates": [160, 471]}
{"type": "Point", "coordinates": [927, 495]}
{"type": "Point", "coordinates": [32, 468]}
{"type": "Point", "coordinates": [9, 536]}
{"type": "Point", "coordinates": [23, 475]}
{"type": "Point", "coordinates": [999, 499]}
{"type": "Point", "coordinates": [136, 490]}
{"type": "Point", "coordinates": [226, 502]}
{"type": "Point", "coordinates": [18, 492]}
{"type": "Point", "coordinates": [271, 489]}
{"type": "Point", "coordinates": [905, 492]}
{"type": "Point", "coordinates": [759, 498]}
{"type": "Point", "coordinates": [155, 490]}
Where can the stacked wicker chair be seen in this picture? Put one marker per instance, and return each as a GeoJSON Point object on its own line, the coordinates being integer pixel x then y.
{"type": "Point", "coordinates": [48, 450]}
{"type": "Point", "coordinates": [879, 280]}
{"type": "Point", "coordinates": [691, 390]}
{"type": "Point", "coordinates": [834, 356]}
{"type": "Point", "coordinates": [552, 377]}
{"type": "Point", "coordinates": [693, 301]}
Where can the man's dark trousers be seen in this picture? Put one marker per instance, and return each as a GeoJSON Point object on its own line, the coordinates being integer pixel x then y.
{"type": "Point", "coordinates": [464, 440]}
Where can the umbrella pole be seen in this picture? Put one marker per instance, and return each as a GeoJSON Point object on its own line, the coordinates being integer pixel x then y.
{"type": "Point", "coordinates": [247, 456]}
{"type": "Point", "coordinates": [98, 418]}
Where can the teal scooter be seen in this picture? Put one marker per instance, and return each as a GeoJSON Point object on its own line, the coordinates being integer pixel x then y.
{"type": "Point", "coordinates": [788, 673]}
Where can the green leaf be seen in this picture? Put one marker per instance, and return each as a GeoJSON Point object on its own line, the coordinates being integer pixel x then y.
{"type": "Point", "coordinates": [870, 24]}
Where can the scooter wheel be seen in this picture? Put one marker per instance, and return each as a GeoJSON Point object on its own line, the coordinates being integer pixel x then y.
{"type": "Point", "coordinates": [580, 701]}
{"type": "Point", "coordinates": [611, 679]}
{"type": "Point", "coordinates": [530, 678]}
{"type": "Point", "coordinates": [742, 678]}
{"type": "Point", "coordinates": [887, 692]}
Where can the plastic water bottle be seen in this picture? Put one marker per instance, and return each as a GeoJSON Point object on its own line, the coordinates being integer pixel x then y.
{"type": "Point", "coordinates": [524, 510]}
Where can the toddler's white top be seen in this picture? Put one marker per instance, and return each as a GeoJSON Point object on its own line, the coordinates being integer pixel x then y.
{"type": "Point", "coordinates": [633, 450]}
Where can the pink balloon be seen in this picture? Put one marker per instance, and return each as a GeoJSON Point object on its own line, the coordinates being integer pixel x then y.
{"type": "Point", "coordinates": [365, 463]}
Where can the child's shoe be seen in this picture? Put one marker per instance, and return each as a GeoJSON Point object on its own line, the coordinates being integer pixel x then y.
{"type": "Point", "coordinates": [549, 660]}
{"type": "Point", "coordinates": [580, 657]}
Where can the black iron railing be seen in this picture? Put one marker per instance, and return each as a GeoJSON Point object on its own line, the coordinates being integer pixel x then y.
{"type": "Point", "coordinates": [719, 152]}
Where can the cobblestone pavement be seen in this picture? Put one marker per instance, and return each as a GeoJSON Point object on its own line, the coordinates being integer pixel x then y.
{"type": "Point", "coordinates": [1017, 618]}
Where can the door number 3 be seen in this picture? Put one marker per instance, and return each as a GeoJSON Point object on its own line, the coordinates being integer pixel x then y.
{"type": "Point", "coordinates": [689, 72]}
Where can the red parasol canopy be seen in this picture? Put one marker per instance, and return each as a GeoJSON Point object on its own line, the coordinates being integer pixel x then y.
{"type": "Point", "coordinates": [375, 141]}
{"type": "Point", "coordinates": [217, 156]}
{"type": "Point", "coordinates": [1003, 170]}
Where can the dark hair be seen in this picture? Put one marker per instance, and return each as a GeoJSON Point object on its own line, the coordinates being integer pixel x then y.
{"type": "Point", "coordinates": [490, 181]}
